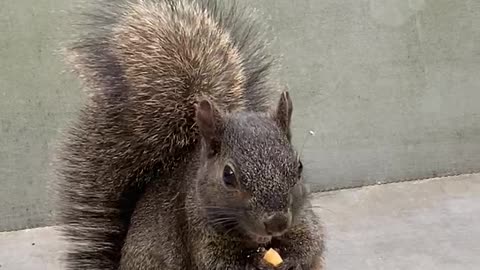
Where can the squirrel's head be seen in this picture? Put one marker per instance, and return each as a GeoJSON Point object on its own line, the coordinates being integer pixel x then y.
{"type": "Point", "coordinates": [250, 179]}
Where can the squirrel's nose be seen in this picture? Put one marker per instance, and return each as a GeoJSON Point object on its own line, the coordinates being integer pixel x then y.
{"type": "Point", "coordinates": [277, 223]}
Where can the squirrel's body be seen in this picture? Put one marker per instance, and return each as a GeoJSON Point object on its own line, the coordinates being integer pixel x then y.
{"type": "Point", "coordinates": [179, 94]}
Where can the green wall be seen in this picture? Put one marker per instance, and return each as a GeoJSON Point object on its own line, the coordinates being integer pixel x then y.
{"type": "Point", "coordinates": [390, 89]}
{"type": "Point", "coordinates": [36, 99]}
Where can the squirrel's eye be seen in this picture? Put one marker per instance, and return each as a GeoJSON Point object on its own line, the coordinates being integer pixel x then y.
{"type": "Point", "coordinates": [229, 177]}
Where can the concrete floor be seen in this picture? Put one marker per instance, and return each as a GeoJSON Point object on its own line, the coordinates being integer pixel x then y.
{"type": "Point", "coordinates": [426, 225]}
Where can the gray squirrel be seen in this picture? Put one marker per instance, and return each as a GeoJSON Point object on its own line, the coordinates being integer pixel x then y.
{"type": "Point", "coordinates": [182, 156]}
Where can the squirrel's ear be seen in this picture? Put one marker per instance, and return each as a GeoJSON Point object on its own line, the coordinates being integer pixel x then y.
{"type": "Point", "coordinates": [283, 113]}
{"type": "Point", "coordinates": [210, 124]}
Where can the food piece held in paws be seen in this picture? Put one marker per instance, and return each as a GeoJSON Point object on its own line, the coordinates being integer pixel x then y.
{"type": "Point", "coordinates": [272, 257]}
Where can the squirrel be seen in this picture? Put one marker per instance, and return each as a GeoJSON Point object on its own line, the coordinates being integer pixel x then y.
{"type": "Point", "coordinates": [181, 157]}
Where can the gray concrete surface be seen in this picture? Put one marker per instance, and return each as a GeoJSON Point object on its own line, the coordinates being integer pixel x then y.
{"type": "Point", "coordinates": [36, 99]}
{"type": "Point", "coordinates": [390, 89]}
{"type": "Point", "coordinates": [425, 225]}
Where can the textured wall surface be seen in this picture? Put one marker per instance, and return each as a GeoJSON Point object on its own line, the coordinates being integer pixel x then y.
{"type": "Point", "coordinates": [391, 88]}
{"type": "Point", "coordinates": [35, 101]}
{"type": "Point", "coordinates": [383, 91]}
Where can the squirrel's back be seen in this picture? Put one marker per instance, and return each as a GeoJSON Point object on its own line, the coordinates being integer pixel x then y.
{"type": "Point", "coordinates": [146, 63]}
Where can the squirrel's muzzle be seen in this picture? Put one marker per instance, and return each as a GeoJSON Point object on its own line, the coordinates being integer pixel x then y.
{"type": "Point", "coordinates": [277, 223]}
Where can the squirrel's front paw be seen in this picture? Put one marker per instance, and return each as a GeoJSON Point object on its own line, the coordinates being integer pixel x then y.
{"type": "Point", "coordinates": [295, 264]}
{"type": "Point", "coordinates": [286, 265]}
{"type": "Point", "coordinates": [290, 265]}
{"type": "Point", "coordinates": [262, 265]}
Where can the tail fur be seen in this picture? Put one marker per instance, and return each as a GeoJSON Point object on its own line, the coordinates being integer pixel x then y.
{"type": "Point", "coordinates": [146, 63]}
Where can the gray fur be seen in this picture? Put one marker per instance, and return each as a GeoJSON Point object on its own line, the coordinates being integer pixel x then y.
{"type": "Point", "coordinates": [193, 221]}
{"type": "Point", "coordinates": [147, 64]}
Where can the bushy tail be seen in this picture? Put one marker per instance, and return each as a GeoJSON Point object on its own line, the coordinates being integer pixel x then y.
{"type": "Point", "coordinates": [146, 63]}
